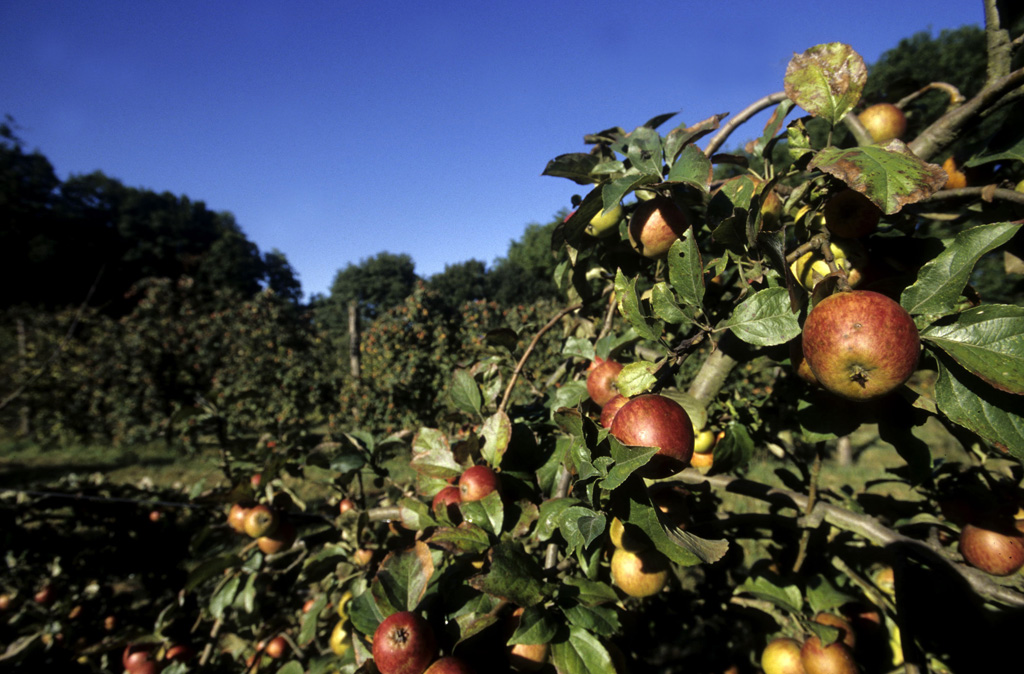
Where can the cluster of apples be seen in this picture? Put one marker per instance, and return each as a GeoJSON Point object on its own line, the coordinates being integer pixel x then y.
{"type": "Point", "coordinates": [271, 529]}
{"type": "Point", "coordinates": [150, 658]}
{"type": "Point", "coordinates": [785, 655]}
{"type": "Point", "coordinates": [475, 483]}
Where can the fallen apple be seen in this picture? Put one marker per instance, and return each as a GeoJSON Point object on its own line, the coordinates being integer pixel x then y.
{"type": "Point", "coordinates": [861, 345]}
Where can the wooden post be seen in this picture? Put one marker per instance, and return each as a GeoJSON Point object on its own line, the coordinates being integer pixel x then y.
{"type": "Point", "coordinates": [353, 341]}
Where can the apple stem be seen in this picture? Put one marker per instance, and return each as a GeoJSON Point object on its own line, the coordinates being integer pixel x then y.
{"type": "Point", "coordinates": [842, 282]}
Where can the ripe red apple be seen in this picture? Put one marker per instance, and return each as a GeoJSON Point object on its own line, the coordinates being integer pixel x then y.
{"type": "Point", "coordinates": [851, 215]}
{"type": "Point", "coordinates": [276, 647]}
{"type": "Point", "coordinates": [179, 653]}
{"type": "Point", "coordinates": [236, 517]}
{"type": "Point", "coordinates": [782, 656]}
{"type": "Point", "coordinates": [5, 602]}
{"type": "Point", "coordinates": [884, 121]}
{"type": "Point", "coordinates": [345, 505]}
{"type": "Point", "coordinates": [653, 420]}
{"type": "Point", "coordinates": [403, 644]}
{"type": "Point", "coordinates": [137, 659]}
{"type": "Point", "coordinates": [449, 499]}
{"type": "Point", "coordinates": [45, 595]}
{"type": "Point", "coordinates": [449, 665]}
{"type": "Point", "coordinates": [255, 480]}
{"type": "Point", "coordinates": [860, 345]}
{"type": "Point", "coordinates": [612, 408]}
{"type": "Point", "coordinates": [836, 658]}
{"type": "Point", "coordinates": [282, 539]}
{"type": "Point", "coordinates": [655, 225]}
{"type": "Point", "coordinates": [601, 381]}
{"type": "Point", "coordinates": [1000, 553]}
{"type": "Point", "coordinates": [477, 482]}
{"type": "Point", "coordinates": [261, 520]}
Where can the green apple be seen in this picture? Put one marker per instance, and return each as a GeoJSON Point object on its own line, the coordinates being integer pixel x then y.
{"type": "Point", "coordinates": [605, 221]}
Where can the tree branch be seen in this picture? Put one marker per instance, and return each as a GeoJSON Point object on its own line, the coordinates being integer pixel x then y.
{"type": "Point", "coordinates": [757, 106]}
{"type": "Point", "coordinates": [862, 525]}
{"type": "Point", "coordinates": [945, 129]}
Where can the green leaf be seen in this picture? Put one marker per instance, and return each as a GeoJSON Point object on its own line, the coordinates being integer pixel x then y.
{"type": "Point", "coordinates": [691, 168]}
{"type": "Point", "coordinates": [488, 512]}
{"type": "Point", "coordinates": [627, 460]}
{"type": "Point", "coordinates": [603, 620]}
{"type": "Point", "coordinates": [686, 271]}
{"type": "Point", "coordinates": [403, 576]}
{"type": "Point", "coordinates": [966, 400]}
{"type": "Point", "coordinates": [636, 378]}
{"type": "Point", "coordinates": [569, 395]}
{"type": "Point", "coordinates": [497, 432]}
{"type": "Point", "coordinates": [465, 538]}
{"type": "Point", "coordinates": [224, 597]}
{"type": "Point", "coordinates": [772, 127]}
{"type": "Point", "coordinates": [683, 136]}
{"type": "Point", "coordinates": [764, 319]}
{"type": "Point", "coordinates": [941, 280]}
{"type": "Point", "coordinates": [211, 568]}
{"type": "Point", "coordinates": [512, 575]}
{"type": "Point", "coordinates": [591, 592]}
{"type": "Point", "coordinates": [581, 653]}
{"type": "Point", "coordinates": [663, 303]}
{"type": "Point", "coordinates": [551, 514]}
{"type": "Point", "coordinates": [580, 526]}
{"type": "Point", "coordinates": [307, 631]}
{"type": "Point", "coordinates": [578, 347]}
{"type": "Point", "coordinates": [536, 626]}
{"type": "Point", "coordinates": [629, 307]}
{"type": "Point", "coordinates": [643, 148]}
{"type": "Point", "coordinates": [786, 597]}
{"type": "Point", "coordinates": [365, 613]}
{"type": "Point", "coordinates": [826, 80]}
{"type": "Point", "coordinates": [432, 456]}
{"type": "Point", "coordinates": [890, 175]}
{"type": "Point", "coordinates": [575, 166]}
{"type": "Point", "coordinates": [246, 599]}
{"type": "Point", "coordinates": [988, 341]}
{"type": "Point", "coordinates": [415, 514]}
{"type": "Point", "coordinates": [735, 450]}
{"type": "Point", "coordinates": [465, 393]}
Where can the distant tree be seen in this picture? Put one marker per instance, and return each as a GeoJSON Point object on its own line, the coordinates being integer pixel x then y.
{"type": "Point", "coordinates": [460, 283]}
{"type": "Point", "coordinates": [956, 57]}
{"type": "Point", "coordinates": [376, 284]}
{"type": "Point", "coordinates": [281, 277]}
{"type": "Point", "coordinates": [526, 273]}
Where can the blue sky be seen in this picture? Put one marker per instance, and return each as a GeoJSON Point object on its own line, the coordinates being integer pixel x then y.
{"type": "Point", "coordinates": [336, 130]}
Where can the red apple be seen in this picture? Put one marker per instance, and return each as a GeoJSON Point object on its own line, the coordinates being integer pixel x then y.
{"type": "Point", "coordinates": [449, 499]}
{"type": "Point", "coordinates": [345, 505]}
{"type": "Point", "coordinates": [282, 539]}
{"type": "Point", "coordinates": [656, 421]}
{"type": "Point", "coordinates": [1000, 553]}
{"type": "Point", "coordinates": [236, 517]}
{"type": "Point", "coordinates": [860, 345]}
{"type": "Point", "coordinates": [403, 644]}
{"type": "Point", "coordinates": [477, 482]}
{"type": "Point", "coordinates": [612, 408]}
{"type": "Point", "coordinates": [655, 225]}
{"type": "Point", "coordinates": [449, 665]}
{"type": "Point", "coordinates": [179, 653]}
{"type": "Point", "coordinates": [45, 595]}
{"type": "Point", "coordinates": [851, 215]}
{"type": "Point", "coordinates": [601, 381]}
{"type": "Point", "coordinates": [836, 658]}
{"type": "Point", "coordinates": [884, 121]}
{"type": "Point", "coordinates": [261, 520]}
{"type": "Point", "coordinates": [276, 647]}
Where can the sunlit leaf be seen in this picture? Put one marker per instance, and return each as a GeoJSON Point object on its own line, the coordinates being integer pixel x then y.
{"type": "Point", "coordinates": [988, 341]}
{"type": "Point", "coordinates": [826, 80]}
{"type": "Point", "coordinates": [764, 319]}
